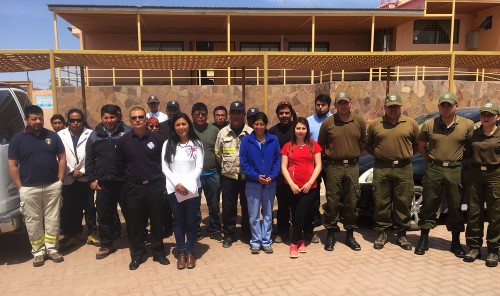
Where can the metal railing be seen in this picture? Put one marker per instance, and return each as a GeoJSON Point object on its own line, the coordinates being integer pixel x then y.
{"type": "Point", "coordinates": [71, 76]}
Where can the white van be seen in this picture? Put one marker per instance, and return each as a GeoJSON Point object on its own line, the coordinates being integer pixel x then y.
{"type": "Point", "coordinates": [13, 100]}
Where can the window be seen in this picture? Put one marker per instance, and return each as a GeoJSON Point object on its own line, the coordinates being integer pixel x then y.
{"type": "Point", "coordinates": [306, 46]}
{"type": "Point", "coordinates": [259, 46]}
{"type": "Point", "coordinates": [434, 32]}
{"type": "Point", "coordinates": [11, 120]}
{"type": "Point", "coordinates": [162, 45]}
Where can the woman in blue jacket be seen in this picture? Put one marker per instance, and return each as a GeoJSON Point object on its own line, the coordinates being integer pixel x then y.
{"type": "Point", "coordinates": [260, 161]}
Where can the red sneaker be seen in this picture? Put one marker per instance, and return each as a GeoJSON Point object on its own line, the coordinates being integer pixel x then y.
{"type": "Point", "coordinates": [301, 246]}
{"type": "Point", "coordinates": [293, 251]}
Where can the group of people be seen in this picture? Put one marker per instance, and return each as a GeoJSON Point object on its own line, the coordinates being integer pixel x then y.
{"type": "Point", "coordinates": [157, 168]}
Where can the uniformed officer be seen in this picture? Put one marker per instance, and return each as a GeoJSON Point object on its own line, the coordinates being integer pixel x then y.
{"type": "Point", "coordinates": [392, 139]}
{"type": "Point", "coordinates": [227, 152]}
{"type": "Point", "coordinates": [342, 137]}
{"type": "Point", "coordinates": [441, 142]}
{"type": "Point", "coordinates": [483, 185]}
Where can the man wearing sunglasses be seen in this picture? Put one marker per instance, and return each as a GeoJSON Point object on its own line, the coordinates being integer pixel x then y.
{"type": "Point", "coordinates": [210, 179]}
{"type": "Point", "coordinates": [106, 175]}
{"type": "Point", "coordinates": [139, 151]}
{"type": "Point", "coordinates": [283, 130]}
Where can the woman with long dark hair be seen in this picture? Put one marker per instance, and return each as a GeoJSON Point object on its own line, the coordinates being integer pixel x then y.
{"type": "Point", "coordinates": [260, 161]}
{"type": "Point", "coordinates": [182, 163]}
{"type": "Point", "coordinates": [300, 166]}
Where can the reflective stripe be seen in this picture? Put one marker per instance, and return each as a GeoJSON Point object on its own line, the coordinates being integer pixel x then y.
{"type": "Point", "coordinates": [227, 149]}
{"type": "Point", "coordinates": [51, 239]}
{"type": "Point", "coordinates": [38, 243]}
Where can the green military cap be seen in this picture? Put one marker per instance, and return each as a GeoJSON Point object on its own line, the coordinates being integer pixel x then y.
{"type": "Point", "coordinates": [393, 99]}
{"type": "Point", "coordinates": [342, 96]}
{"type": "Point", "coordinates": [448, 98]}
{"type": "Point", "coordinates": [490, 108]}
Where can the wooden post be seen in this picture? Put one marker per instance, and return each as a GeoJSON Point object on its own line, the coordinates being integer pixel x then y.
{"type": "Point", "coordinates": [84, 96]}
{"type": "Point", "coordinates": [53, 80]}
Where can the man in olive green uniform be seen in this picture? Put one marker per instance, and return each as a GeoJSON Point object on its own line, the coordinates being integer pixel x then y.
{"type": "Point", "coordinates": [441, 142]}
{"type": "Point", "coordinates": [392, 139]}
{"type": "Point", "coordinates": [483, 186]}
{"type": "Point", "coordinates": [342, 137]}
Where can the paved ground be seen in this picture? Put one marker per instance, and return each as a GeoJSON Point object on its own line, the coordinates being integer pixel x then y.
{"type": "Point", "coordinates": [235, 271]}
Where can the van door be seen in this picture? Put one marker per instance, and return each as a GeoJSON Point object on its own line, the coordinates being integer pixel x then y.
{"type": "Point", "coordinates": [11, 122]}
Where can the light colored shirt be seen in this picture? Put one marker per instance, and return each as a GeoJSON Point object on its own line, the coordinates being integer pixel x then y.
{"type": "Point", "coordinates": [315, 123]}
{"type": "Point", "coordinates": [160, 115]}
{"type": "Point", "coordinates": [185, 168]}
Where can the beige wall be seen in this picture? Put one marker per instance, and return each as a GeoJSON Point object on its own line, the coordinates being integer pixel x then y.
{"type": "Point", "coordinates": [488, 39]}
{"type": "Point", "coordinates": [418, 96]}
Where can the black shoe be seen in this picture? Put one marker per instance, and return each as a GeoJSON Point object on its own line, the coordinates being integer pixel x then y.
{"type": "Point", "coordinates": [492, 260]}
{"type": "Point", "coordinates": [217, 236]}
{"type": "Point", "coordinates": [330, 240]}
{"type": "Point", "coordinates": [134, 264]}
{"type": "Point", "coordinates": [456, 247]}
{"type": "Point", "coordinates": [161, 259]}
{"type": "Point", "coordinates": [423, 242]}
{"type": "Point", "coordinates": [228, 241]}
{"type": "Point", "coordinates": [351, 242]}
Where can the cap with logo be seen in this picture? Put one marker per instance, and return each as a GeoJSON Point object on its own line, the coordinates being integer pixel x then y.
{"type": "Point", "coordinates": [490, 108]}
{"type": "Point", "coordinates": [153, 99]}
{"type": "Point", "coordinates": [393, 99]}
{"type": "Point", "coordinates": [252, 111]}
{"type": "Point", "coordinates": [173, 104]}
{"type": "Point", "coordinates": [448, 98]}
{"type": "Point", "coordinates": [237, 106]}
{"type": "Point", "coordinates": [342, 96]}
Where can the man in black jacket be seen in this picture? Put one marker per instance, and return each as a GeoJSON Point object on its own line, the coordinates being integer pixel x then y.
{"type": "Point", "coordinates": [106, 174]}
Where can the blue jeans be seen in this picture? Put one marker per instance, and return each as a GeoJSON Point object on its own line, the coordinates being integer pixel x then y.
{"type": "Point", "coordinates": [211, 187]}
{"type": "Point", "coordinates": [258, 195]}
{"type": "Point", "coordinates": [185, 221]}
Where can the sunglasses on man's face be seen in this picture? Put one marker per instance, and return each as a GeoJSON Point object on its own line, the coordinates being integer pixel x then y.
{"type": "Point", "coordinates": [200, 114]}
{"type": "Point", "coordinates": [141, 117]}
{"type": "Point", "coordinates": [152, 126]}
{"type": "Point", "coordinates": [73, 120]}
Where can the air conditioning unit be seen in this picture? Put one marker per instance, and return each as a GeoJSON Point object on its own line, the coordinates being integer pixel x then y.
{"type": "Point", "coordinates": [472, 40]}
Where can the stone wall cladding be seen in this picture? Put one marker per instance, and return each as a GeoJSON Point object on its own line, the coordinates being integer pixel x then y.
{"type": "Point", "coordinates": [419, 97]}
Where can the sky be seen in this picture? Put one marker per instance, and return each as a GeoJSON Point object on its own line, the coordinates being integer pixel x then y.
{"type": "Point", "coordinates": [27, 24]}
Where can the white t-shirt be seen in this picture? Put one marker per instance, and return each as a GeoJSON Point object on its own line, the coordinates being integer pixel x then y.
{"type": "Point", "coordinates": [185, 169]}
{"type": "Point", "coordinates": [160, 115]}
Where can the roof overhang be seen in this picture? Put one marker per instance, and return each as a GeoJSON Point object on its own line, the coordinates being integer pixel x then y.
{"type": "Point", "coordinates": [30, 60]}
{"type": "Point", "coordinates": [98, 19]}
{"type": "Point", "coordinates": [461, 6]}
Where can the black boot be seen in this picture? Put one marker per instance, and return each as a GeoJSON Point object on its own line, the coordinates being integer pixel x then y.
{"type": "Point", "coordinates": [330, 240]}
{"type": "Point", "coordinates": [456, 247]}
{"type": "Point", "coordinates": [350, 241]}
{"type": "Point", "coordinates": [423, 242]}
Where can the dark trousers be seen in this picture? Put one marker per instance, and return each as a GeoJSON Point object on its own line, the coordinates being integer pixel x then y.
{"type": "Point", "coordinates": [283, 213]}
{"type": "Point", "coordinates": [75, 197]}
{"type": "Point", "coordinates": [90, 213]}
{"type": "Point", "coordinates": [143, 202]}
{"type": "Point", "coordinates": [185, 221]}
{"type": "Point", "coordinates": [110, 194]}
{"type": "Point", "coordinates": [302, 211]}
{"type": "Point", "coordinates": [231, 190]}
{"type": "Point", "coordinates": [316, 221]}
{"type": "Point", "coordinates": [211, 187]}
{"type": "Point", "coordinates": [167, 219]}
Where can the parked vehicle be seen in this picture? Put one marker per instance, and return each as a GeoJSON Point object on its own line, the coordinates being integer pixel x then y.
{"type": "Point", "coordinates": [419, 164]}
{"type": "Point", "coordinates": [12, 102]}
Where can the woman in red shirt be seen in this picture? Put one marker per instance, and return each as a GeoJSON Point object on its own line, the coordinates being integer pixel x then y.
{"type": "Point", "coordinates": [300, 165]}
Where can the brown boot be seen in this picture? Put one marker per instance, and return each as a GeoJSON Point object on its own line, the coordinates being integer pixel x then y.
{"type": "Point", "coordinates": [181, 260]}
{"type": "Point", "coordinates": [191, 260]}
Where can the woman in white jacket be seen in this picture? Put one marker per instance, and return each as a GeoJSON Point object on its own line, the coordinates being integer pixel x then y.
{"type": "Point", "coordinates": [76, 190]}
{"type": "Point", "coordinates": [182, 163]}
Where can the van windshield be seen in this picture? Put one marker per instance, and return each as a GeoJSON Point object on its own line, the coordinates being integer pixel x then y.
{"type": "Point", "coordinates": [11, 120]}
